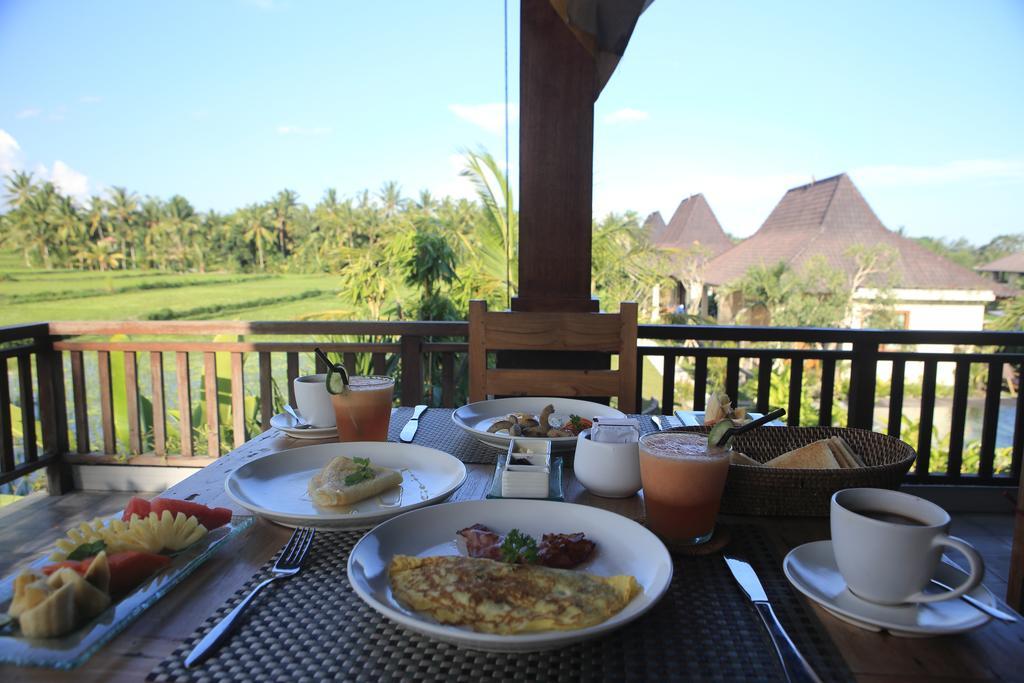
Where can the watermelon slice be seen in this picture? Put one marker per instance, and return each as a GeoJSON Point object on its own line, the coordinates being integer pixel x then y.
{"type": "Point", "coordinates": [136, 506]}
{"type": "Point", "coordinates": [127, 569]}
{"type": "Point", "coordinates": [211, 518]}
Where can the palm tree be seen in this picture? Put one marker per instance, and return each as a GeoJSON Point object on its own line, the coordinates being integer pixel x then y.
{"type": "Point", "coordinates": [495, 238]}
{"type": "Point", "coordinates": [253, 221]}
{"type": "Point", "coordinates": [20, 186]}
{"type": "Point", "coordinates": [391, 198]}
{"type": "Point", "coordinates": [281, 206]}
{"type": "Point", "coordinates": [70, 230]}
{"type": "Point", "coordinates": [122, 207]}
{"type": "Point", "coordinates": [95, 217]}
{"type": "Point", "coordinates": [179, 221]}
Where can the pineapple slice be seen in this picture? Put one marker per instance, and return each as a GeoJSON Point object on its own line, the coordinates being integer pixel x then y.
{"type": "Point", "coordinates": [53, 617]}
{"type": "Point", "coordinates": [166, 532]}
{"type": "Point", "coordinates": [30, 589]}
{"type": "Point", "coordinates": [149, 534]}
{"type": "Point", "coordinates": [88, 599]}
{"type": "Point", "coordinates": [98, 573]}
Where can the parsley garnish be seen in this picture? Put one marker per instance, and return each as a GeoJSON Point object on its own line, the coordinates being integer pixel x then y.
{"type": "Point", "coordinates": [363, 472]}
{"type": "Point", "coordinates": [87, 550]}
{"type": "Point", "coordinates": [519, 548]}
{"type": "Point", "coordinates": [577, 423]}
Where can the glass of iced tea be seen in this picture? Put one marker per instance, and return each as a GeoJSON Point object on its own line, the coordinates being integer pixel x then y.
{"type": "Point", "coordinates": [363, 412]}
{"type": "Point", "coordinates": [683, 479]}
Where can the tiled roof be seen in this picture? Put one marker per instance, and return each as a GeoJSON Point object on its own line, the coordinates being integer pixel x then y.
{"type": "Point", "coordinates": [827, 218]}
{"type": "Point", "coordinates": [1014, 263]}
{"type": "Point", "coordinates": [693, 223]}
{"type": "Point", "coordinates": [654, 224]}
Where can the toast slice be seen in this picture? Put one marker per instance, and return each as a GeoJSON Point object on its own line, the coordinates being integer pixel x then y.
{"type": "Point", "coordinates": [737, 458]}
{"type": "Point", "coordinates": [838, 444]}
{"type": "Point", "coordinates": [813, 456]}
{"type": "Point", "coordinates": [328, 488]}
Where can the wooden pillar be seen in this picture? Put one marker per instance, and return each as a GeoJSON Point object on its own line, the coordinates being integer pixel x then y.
{"type": "Point", "coordinates": [558, 85]}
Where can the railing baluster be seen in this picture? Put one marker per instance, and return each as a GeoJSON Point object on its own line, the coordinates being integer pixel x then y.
{"type": "Point", "coordinates": [380, 363]}
{"type": "Point", "coordinates": [156, 377]}
{"type": "Point", "coordinates": [899, 369]}
{"type": "Point", "coordinates": [350, 362]}
{"type": "Point", "coordinates": [796, 383]}
{"type": "Point", "coordinates": [764, 383]}
{"type": "Point", "coordinates": [732, 379]}
{"type": "Point", "coordinates": [956, 433]}
{"type": "Point", "coordinates": [448, 379]}
{"type": "Point", "coordinates": [131, 384]}
{"type": "Point", "coordinates": [924, 433]}
{"type": "Point", "coordinates": [237, 400]}
{"type": "Point", "coordinates": [412, 370]}
{"type": "Point", "coordinates": [1018, 436]}
{"type": "Point", "coordinates": [212, 408]}
{"type": "Point", "coordinates": [828, 389]}
{"type": "Point", "coordinates": [668, 384]}
{"type": "Point", "coordinates": [293, 372]}
{"type": "Point", "coordinates": [990, 420]}
{"type": "Point", "coordinates": [700, 382]}
{"type": "Point", "coordinates": [319, 364]}
{"type": "Point", "coordinates": [184, 403]}
{"type": "Point", "coordinates": [28, 408]}
{"type": "Point", "coordinates": [80, 401]}
{"type": "Point", "coordinates": [6, 426]}
{"type": "Point", "coordinates": [266, 390]}
{"type": "Point", "coordinates": [106, 403]}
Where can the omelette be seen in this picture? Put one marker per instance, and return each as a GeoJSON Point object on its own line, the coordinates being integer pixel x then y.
{"type": "Point", "coordinates": [495, 597]}
{"type": "Point", "coordinates": [346, 480]}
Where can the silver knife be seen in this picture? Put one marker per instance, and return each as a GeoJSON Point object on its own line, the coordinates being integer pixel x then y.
{"type": "Point", "coordinates": [409, 430]}
{"type": "Point", "coordinates": [793, 663]}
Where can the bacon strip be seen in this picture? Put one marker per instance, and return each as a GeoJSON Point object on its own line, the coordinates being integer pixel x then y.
{"type": "Point", "coordinates": [563, 551]}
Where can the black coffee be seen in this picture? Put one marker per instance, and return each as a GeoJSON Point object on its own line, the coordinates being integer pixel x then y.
{"type": "Point", "coordinates": [891, 517]}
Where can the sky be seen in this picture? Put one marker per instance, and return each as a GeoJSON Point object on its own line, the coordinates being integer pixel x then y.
{"type": "Point", "coordinates": [226, 102]}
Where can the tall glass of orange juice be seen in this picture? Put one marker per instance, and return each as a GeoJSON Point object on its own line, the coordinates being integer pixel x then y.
{"type": "Point", "coordinates": [363, 412]}
{"type": "Point", "coordinates": [683, 479]}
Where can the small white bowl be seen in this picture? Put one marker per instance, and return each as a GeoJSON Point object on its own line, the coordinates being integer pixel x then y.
{"type": "Point", "coordinates": [609, 470]}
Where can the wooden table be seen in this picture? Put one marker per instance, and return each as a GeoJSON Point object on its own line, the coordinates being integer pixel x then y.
{"type": "Point", "coordinates": [993, 652]}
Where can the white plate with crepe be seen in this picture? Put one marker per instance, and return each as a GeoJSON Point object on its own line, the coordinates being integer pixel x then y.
{"type": "Point", "coordinates": [477, 418]}
{"type": "Point", "coordinates": [623, 547]}
{"type": "Point", "coordinates": [276, 486]}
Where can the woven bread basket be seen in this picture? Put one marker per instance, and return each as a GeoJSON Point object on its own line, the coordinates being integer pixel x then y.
{"type": "Point", "coordinates": [769, 491]}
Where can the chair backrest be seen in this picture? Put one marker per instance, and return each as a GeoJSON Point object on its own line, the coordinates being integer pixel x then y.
{"type": "Point", "coordinates": [549, 331]}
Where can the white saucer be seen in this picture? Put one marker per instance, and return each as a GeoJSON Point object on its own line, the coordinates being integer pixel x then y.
{"type": "Point", "coordinates": [811, 568]}
{"type": "Point", "coordinates": [286, 423]}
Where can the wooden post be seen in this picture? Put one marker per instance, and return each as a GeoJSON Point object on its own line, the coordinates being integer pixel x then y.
{"type": "Point", "coordinates": [53, 414]}
{"type": "Point", "coordinates": [412, 370]}
{"type": "Point", "coordinates": [558, 85]}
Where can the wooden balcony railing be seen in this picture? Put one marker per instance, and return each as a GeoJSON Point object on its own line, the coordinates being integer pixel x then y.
{"type": "Point", "coordinates": [138, 390]}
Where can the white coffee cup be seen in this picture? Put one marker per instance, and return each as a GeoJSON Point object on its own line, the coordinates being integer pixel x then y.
{"type": "Point", "coordinates": [312, 400]}
{"type": "Point", "coordinates": [609, 470]}
{"type": "Point", "coordinates": [888, 546]}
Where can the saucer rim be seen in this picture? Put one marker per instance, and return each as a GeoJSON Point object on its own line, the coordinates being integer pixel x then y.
{"type": "Point", "coordinates": [294, 430]}
{"type": "Point", "coordinates": [906, 630]}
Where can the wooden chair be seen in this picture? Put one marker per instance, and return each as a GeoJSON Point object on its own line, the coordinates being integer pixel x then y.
{"type": "Point", "coordinates": [519, 331]}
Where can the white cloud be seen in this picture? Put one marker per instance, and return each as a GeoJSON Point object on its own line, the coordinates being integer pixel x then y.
{"type": "Point", "coordinates": [90, 99]}
{"type": "Point", "coordinates": [490, 117]}
{"type": "Point", "coordinates": [626, 115]}
{"type": "Point", "coordinates": [29, 113]}
{"type": "Point", "coordinates": [9, 149]}
{"type": "Point", "coordinates": [938, 174]}
{"type": "Point", "coordinates": [69, 181]}
{"type": "Point", "coordinates": [302, 130]}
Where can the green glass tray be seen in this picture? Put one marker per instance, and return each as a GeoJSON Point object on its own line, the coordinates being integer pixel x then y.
{"type": "Point", "coordinates": [554, 481]}
{"type": "Point", "coordinates": [71, 650]}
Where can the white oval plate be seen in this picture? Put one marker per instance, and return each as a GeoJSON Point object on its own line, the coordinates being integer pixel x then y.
{"type": "Point", "coordinates": [286, 423]}
{"type": "Point", "coordinates": [623, 547]}
{"type": "Point", "coordinates": [812, 570]}
{"type": "Point", "coordinates": [274, 486]}
{"type": "Point", "coordinates": [475, 418]}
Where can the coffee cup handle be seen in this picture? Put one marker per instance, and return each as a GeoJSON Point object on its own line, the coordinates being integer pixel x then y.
{"type": "Point", "coordinates": [977, 571]}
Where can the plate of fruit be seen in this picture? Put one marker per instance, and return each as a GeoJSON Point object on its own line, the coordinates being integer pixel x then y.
{"type": "Point", "coordinates": [101, 575]}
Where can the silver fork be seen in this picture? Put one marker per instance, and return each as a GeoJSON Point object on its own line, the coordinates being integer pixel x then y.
{"type": "Point", "coordinates": [288, 564]}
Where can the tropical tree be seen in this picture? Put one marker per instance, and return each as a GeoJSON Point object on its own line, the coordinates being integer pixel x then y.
{"type": "Point", "coordinates": [255, 230]}
{"type": "Point", "coordinates": [494, 242]}
{"type": "Point", "coordinates": [281, 207]}
{"type": "Point", "coordinates": [121, 207]}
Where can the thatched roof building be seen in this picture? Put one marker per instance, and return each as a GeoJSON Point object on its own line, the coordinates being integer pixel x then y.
{"type": "Point", "coordinates": [692, 225]}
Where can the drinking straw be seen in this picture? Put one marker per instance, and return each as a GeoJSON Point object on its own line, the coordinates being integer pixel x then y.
{"type": "Point", "coordinates": [753, 424]}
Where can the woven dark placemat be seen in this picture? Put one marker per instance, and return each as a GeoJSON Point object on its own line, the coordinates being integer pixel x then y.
{"type": "Point", "coordinates": [314, 627]}
{"type": "Point", "coordinates": [438, 431]}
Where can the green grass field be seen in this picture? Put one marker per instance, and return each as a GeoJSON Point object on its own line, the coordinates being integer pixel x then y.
{"type": "Point", "coordinates": [34, 295]}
